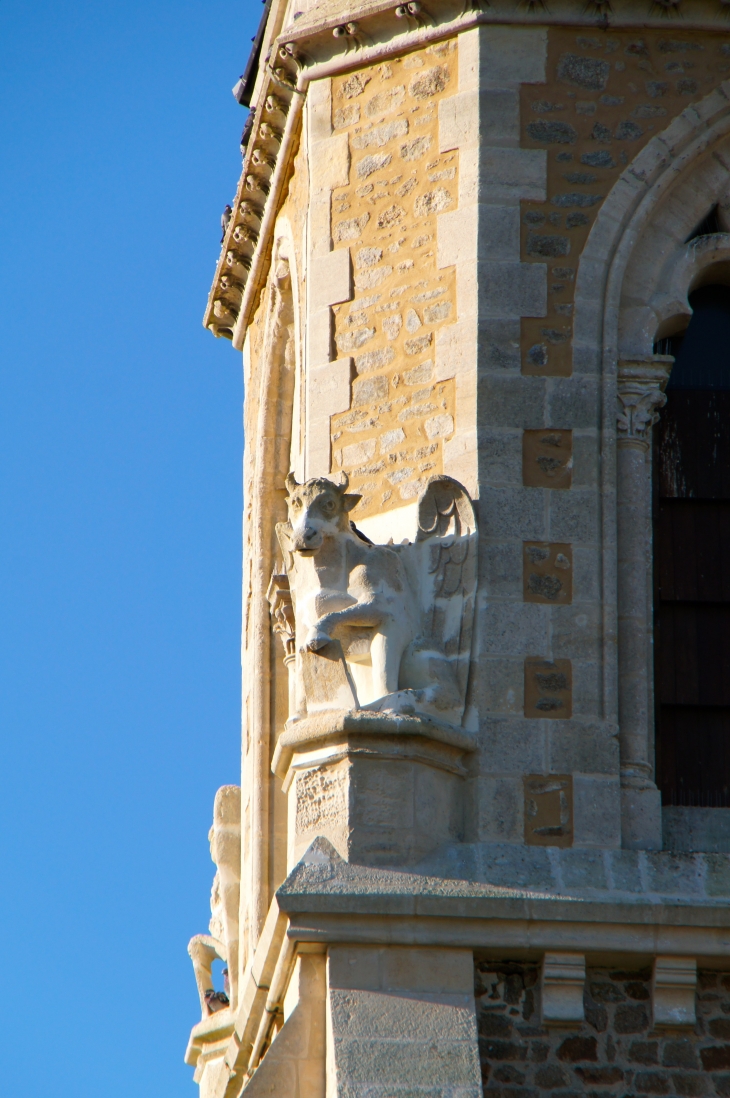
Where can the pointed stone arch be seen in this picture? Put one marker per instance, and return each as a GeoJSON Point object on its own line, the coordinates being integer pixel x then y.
{"type": "Point", "coordinates": [633, 279]}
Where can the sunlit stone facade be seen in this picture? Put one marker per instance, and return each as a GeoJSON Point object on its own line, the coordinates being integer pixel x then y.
{"type": "Point", "coordinates": [462, 244]}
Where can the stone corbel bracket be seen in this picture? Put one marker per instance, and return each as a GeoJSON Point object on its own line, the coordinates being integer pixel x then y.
{"type": "Point", "coordinates": [674, 983]}
{"type": "Point", "coordinates": [563, 978]}
{"type": "Point", "coordinates": [241, 265]}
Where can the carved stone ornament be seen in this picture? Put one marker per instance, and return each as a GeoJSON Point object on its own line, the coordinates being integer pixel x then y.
{"type": "Point", "coordinates": [380, 628]}
{"type": "Point", "coordinates": [640, 391]}
{"type": "Point", "coordinates": [282, 613]}
{"type": "Point", "coordinates": [377, 688]}
{"type": "Point", "coordinates": [221, 943]}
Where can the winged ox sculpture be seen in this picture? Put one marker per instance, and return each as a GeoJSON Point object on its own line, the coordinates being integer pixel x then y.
{"type": "Point", "coordinates": [377, 627]}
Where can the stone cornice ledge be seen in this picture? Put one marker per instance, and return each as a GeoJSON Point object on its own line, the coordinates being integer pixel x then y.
{"type": "Point", "coordinates": [347, 36]}
{"type": "Point", "coordinates": [667, 902]}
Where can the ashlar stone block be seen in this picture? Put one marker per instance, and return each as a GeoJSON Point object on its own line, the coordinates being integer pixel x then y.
{"type": "Point", "coordinates": [512, 629]}
{"type": "Point", "coordinates": [499, 686]}
{"type": "Point", "coordinates": [401, 1019]}
{"type": "Point", "coordinates": [547, 458]}
{"type": "Point", "coordinates": [512, 289]}
{"type": "Point", "coordinates": [576, 631]}
{"type": "Point", "coordinates": [510, 512]}
{"type": "Point", "coordinates": [596, 811]}
{"type": "Point", "coordinates": [590, 747]}
{"type": "Point", "coordinates": [548, 688]}
{"type": "Point", "coordinates": [294, 1065]}
{"type": "Point", "coordinates": [548, 809]}
{"type": "Point", "coordinates": [511, 401]}
{"type": "Point", "coordinates": [457, 236]}
{"type": "Point", "coordinates": [499, 231]}
{"type": "Point", "coordinates": [499, 345]}
{"type": "Point", "coordinates": [491, 116]}
{"type": "Point", "coordinates": [328, 393]}
{"type": "Point", "coordinates": [500, 810]}
{"type": "Point", "coordinates": [512, 174]}
{"type": "Point", "coordinates": [499, 457]}
{"type": "Point", "coordinates": [502, 564]}
{"type": "Point", "coordinates": [459, 121]}
{"type": "Point", "coordinates": [574, 516]}
{"type": "Point", "coordinates": [510, 745]}
{"type": "Point", "coordinates": [331, 278]}
{"type": "Point", "coordinates": [547, 572]}
{"type": "Point", "coordinates": [515, 55]}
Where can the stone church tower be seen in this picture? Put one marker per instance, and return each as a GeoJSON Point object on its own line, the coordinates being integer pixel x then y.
{"type": "Point", "coordinates": [478, 266]}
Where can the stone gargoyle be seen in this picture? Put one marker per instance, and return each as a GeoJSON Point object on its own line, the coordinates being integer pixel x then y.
{"type": "Point", "coordinates": [380, 627]}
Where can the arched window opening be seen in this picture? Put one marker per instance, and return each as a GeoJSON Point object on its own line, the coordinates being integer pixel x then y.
{"type": "Point", "coordinates": [692, 560]}
{"type": "Point", "coordinates": [709, 224]}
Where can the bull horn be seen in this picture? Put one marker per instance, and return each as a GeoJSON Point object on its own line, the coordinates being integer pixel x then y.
{"type": "Point", "coordinates": [344, 480]}
{"type": "Point", "coordinates": [291, 483]}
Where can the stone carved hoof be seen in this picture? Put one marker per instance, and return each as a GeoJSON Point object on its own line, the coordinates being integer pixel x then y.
{"type": "Point", "coordinates": [316, 640]}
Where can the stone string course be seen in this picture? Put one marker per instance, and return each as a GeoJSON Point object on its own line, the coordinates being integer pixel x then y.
{"type": "Point", "coordinates": [615, 1052]}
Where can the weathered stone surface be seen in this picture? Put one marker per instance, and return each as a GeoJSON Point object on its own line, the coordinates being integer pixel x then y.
{"type": "Point", "coordinates": [401, 1018]}
{"type": "Point", "coordinates": [493, 222]}
{"type": "Point", "coordinates": [508, 1002]}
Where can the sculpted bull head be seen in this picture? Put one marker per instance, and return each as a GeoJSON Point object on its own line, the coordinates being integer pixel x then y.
{"type": "Point", "coordinates": [318, 509]}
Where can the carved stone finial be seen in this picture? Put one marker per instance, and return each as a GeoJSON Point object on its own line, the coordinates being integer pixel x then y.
{"type": "Point", "coordinates": [640, 392]}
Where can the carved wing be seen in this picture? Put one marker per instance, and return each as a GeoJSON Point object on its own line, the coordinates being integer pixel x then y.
{"type": "Point", "coordinates": [284, 535]}
{"type": "Point", "coordinates": [442, 566]}
{"type": "Point", "coordinates": [445, 508]}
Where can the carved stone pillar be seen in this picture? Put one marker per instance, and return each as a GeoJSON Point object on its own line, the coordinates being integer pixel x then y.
{"type": "Point", "coordinates": [641, 384]}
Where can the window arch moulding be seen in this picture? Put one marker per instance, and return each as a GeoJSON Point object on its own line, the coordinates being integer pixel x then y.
{"type": "Point", "coordinates": [632, 283]}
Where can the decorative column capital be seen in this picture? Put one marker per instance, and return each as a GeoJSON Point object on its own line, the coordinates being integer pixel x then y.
{"type": "Point", "coordinates": [640, 391]}
{"type": "Point", "coordinates": [282, 613]}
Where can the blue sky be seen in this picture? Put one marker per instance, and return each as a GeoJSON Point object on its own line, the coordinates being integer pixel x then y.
{"type": "Point", "coordinates": [120, 482]}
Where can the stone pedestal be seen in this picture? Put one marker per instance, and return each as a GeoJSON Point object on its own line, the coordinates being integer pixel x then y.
{"type": "Point", "coordinates": [385, 789]}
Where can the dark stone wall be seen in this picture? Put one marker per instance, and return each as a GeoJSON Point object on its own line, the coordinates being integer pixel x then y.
{"type": "Point", "coordinates": [615, 1053]}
